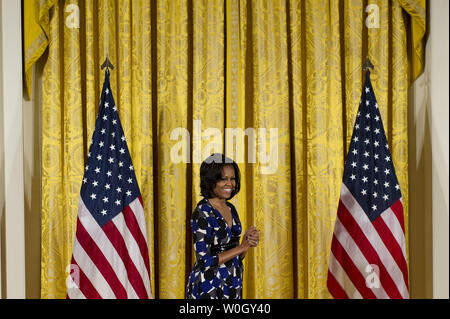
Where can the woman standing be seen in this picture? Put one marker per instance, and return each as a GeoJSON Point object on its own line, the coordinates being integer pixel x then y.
{"type": "Point", "coordinates": [216, 230]}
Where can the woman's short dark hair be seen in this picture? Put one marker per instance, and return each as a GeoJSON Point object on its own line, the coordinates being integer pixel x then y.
{"type": "Point", "coordinates": [211, 173]}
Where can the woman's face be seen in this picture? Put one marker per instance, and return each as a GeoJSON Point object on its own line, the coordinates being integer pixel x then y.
{"type": "Point", "coordinates": [226, 185]}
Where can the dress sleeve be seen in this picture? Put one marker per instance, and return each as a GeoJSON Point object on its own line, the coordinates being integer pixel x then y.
{"type": "Point", "coordinates": [202, 232]}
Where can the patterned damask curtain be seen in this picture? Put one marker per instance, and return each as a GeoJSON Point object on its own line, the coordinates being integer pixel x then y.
{"type": "Point", "coordinates": [208, 65]}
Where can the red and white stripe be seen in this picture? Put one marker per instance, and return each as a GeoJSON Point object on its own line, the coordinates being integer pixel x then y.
{"type": "Point", "coordinates": [110, 261]}
{"type": "Point", "coordinates": [358, 244]}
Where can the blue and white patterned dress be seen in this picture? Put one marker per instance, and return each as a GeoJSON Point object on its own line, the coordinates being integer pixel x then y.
{"type": "Point", "coordinates": [212, 235]}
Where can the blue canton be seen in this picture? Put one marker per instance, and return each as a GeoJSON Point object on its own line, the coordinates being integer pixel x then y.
{"type": "Point", "coordinates": [109, 182]}
{"type": "Point", "coordinates": [369, 172]}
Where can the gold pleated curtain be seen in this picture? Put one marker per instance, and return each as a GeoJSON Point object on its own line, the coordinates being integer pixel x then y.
{"type": "Point", "coordinates": [189, 72]}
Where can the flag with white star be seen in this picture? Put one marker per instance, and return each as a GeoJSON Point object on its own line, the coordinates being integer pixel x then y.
{"type": "Point", "coordinates": [368, 255]}
{"type": "Point", "coordinates": [110, 255]}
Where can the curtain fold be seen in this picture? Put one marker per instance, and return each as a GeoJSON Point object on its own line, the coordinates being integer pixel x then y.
{"type": "Point", "coordinates": [35, 35]}
{"type": "Point", "coordinates": [274, 84]}
{"type": "Point", "coordinates": [171, 110]}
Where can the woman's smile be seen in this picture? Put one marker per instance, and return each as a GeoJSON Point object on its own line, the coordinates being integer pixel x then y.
{"type": "Point", "coordinates": [225, 186]}
{"type": "Point", "coordinates": [228, 191]}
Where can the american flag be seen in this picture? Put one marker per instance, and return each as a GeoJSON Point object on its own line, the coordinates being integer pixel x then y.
{"type": "Point", "coordinates": [110, 255]}
{"type": "Point", "coordinates": [368, 255]}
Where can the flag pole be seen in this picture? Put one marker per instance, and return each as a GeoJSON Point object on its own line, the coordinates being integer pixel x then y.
{"type": "Point", "coordinates": [367, 65]}
{"type": "Point", "coordinates": [107, 64]}
{"type": "Point", "coordinates": [368, 250]}
{"type": "Point", "coordinates": [110, 257]}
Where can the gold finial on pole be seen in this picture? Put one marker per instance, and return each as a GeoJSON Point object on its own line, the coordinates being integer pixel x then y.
{"type": "Point", "coordinates": [107, 64]}
{"type": "Point", "coordinates": [367, 65]}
